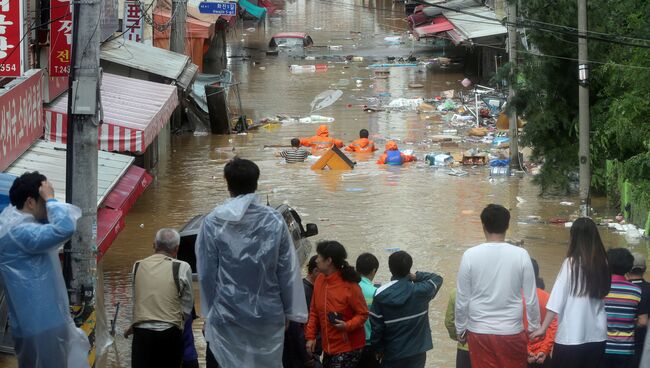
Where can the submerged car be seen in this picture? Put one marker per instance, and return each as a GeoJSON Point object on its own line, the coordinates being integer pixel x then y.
{"type": "Point", "coordinates": [299, 235]}
{"type": "Point", "coordinates": [289, 40]}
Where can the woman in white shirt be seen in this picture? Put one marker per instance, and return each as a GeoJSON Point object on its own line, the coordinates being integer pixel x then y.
{"type": "Point", "coordinates": [577, 300]}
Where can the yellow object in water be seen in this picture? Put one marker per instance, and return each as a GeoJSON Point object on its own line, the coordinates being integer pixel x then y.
{"type": "Point", "coordinates": [333, 159]}
{"type": "Point", "coordinates": [503, 122]}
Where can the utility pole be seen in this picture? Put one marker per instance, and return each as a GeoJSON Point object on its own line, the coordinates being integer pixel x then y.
{"type": "Point", "coordinates": [177, 38]}
{"type": "Point", "coordinates": [583, 110]}
{"type": "Point", "coordinates": [512, 50]}
{"type": "Point", "coordinates": [177, 43]}
{"type": "Point", "coordinates": [80, 262]}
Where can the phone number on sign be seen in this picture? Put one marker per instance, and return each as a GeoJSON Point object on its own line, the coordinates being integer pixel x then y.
{"type": "Point", "coordinates": [8, 67]}
{"type": "Point", "coordinates": [62, 69]}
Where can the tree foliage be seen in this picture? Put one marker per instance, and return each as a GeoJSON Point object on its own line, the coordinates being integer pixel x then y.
{"type": "Point", "coordinates": [547, 91]}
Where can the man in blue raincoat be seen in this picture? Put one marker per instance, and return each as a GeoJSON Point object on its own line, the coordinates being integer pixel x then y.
{"type": "Point", "coordinates": [249, 276]}
{"type": "Point", "coordinates": [39, 313]}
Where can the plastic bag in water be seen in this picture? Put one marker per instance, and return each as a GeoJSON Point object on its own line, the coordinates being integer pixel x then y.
{"type": "Point", "coordinates": [325, 99]}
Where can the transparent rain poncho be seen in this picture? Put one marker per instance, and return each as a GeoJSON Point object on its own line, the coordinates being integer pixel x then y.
{"type": "Point", "coordinates": [250, 283]}
{"type": "Point", "coordinates": [39, 312]}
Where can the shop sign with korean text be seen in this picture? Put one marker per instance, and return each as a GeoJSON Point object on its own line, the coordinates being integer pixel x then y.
{"type": "Point", "coordinates": [60, 38]}
{"type": "Point", "coordinates": [11, 33]}
{"type": "Point", "coordinates": [21, 118]}
{"type": "Point", "coordinates": [133, 27]}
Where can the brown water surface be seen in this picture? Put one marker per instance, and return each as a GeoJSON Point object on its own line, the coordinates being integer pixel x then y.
{"type": "Point", "coordinates": [372, 208]}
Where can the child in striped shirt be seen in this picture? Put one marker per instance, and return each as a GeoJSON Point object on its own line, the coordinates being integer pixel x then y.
{"type": "Point", "coordinates": [621, 306]}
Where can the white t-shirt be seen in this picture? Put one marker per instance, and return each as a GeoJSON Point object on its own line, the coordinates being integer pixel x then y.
{"type": "Point", "coordinates": [491, 281]}
{"type": "Point", "coordinates": [581, 319]}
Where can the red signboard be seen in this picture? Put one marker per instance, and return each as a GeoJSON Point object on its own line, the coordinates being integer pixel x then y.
{"type": "Point", "coordinates": [21, 118]}
{"type": "Point", "coordinates": [60, 38]}
{"type": "Point", "coordinates": [11, 34]}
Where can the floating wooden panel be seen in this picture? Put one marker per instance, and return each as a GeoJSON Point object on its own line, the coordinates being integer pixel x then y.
{"type": "Point", "coordinates": [333, 159]}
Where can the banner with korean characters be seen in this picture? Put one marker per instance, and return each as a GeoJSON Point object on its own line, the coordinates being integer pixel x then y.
{"type": "Point", "coordinates": [133, 21]}
{"type": "Point", "coordinates": [60, 38]}
{"type": "Point", "coordinates": [21, 117]}
{"type": "Point", "coordinates": [12, 46]}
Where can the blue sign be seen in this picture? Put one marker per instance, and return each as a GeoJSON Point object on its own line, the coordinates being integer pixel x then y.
{"type": "Point", "coordinates": [218, 8]}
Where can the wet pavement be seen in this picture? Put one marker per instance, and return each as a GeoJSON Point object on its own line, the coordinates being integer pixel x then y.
{"type": "Point", "coordinates": [416, 208]}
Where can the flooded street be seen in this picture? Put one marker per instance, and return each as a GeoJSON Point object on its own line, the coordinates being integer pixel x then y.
{"type": "Point", "coordinates": [416, 208]}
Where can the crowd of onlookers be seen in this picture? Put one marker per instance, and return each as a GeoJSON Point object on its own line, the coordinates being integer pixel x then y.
{"type": "Point", "coordinates": [260, 312]}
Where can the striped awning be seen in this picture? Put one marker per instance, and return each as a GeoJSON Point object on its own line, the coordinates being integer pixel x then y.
{"type": "Point", "coordinates": [134, 112]}
{"type": "Point", "coordinates": [437, 25]}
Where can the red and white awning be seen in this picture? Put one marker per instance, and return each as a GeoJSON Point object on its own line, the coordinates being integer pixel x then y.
{"type": "Point", "coordinates": [437, 25]}
{"type": "Point", "coordinates": [116, 205]}
{"type": "Point", "coordinates": [134, 113]}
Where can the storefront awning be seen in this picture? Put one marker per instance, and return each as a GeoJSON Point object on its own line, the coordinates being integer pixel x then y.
{"type": "Point", "coordinates": [134, 113]}
{"type": "Point", "coordinates": [110, 218]}
{"type": "Point", "coordinates": [50, 160]}
{"type": "Point", "coordinates": [439, 24]}
{"type": "Point", "coordinates": [198, 35]}
{"type": "Point", "coordinates": [474, 22]}
{"type": "Point", "coordinates": [119, 184]}
{"type": "Point", "coordinates": [169, 65]}
{"type": "Point", "coordinates": [194, 28]}
{"type": "Point", "coordinates": [258, 12]}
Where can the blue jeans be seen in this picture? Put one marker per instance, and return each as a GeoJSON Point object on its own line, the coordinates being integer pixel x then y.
{"type": "Point", "coordinates": [414, 361]}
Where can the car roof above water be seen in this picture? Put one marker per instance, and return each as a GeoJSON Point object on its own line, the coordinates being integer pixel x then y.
{"type": "Point", "coordinates": [290, 35]}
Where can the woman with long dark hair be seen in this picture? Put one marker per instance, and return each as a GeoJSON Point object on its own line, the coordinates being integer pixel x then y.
{"type": "Point", "coordinates": [577, 300]}
{"type": "Point", "coordinates": [338, 309]}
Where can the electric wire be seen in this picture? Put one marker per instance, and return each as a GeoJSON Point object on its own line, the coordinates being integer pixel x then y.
{"type": "Point", "coordinates": [527, 23]}
{"type": "Point", "coordinates": [31, 28]}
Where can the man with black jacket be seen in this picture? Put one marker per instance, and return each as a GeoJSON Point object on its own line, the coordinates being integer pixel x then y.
{"type": "Point", "coordinates": [400, 314]}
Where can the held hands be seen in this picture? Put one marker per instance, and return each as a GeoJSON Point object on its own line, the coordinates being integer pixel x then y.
{"type": "Point", "coordinates": [537, 334]}
{"type": "Point", "coordinates": [538, 358]}
{"type": "Point", "coordinates": [46, 190]}
{"type": "Point", "coordinates": [462, 338]}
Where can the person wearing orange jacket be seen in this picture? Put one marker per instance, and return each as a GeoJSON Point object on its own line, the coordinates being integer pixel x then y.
{"type": "Point", "coordinates": [539, 351]}
{"type": "Point", "coordinates": [393, 156]}
{"type": "Point", "coordinates": [321, 142]}
{"type": "Point", "coordinates": [363, 144]}
{"type": "Point", "coordinates": [338, 309]}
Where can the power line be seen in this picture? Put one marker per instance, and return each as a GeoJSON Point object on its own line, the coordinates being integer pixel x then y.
{"type": "Point", "coordinates": [565, 30]}
{"type": "Point", "coordinates": [31, 28]}
{"type": "Point", "coordinates": [144, 11]}
{"type": "Point", "coordinates": [557, 56]}
{"type": "Point", "coordinates": [593, 36]}
{"type": "Point", "coordinates": [493, 22]}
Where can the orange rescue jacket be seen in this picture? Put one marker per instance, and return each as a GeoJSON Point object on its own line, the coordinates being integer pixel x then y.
{"type": "Point", "coordinates": [333, 294]}
{"type": "Point", "coordinates": [361, 145]}
{"type": "Point", "coordinates": [321, 142]}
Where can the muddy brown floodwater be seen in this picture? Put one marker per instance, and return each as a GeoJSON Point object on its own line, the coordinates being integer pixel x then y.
{"type": "Point", "coordinates": [416, 208]}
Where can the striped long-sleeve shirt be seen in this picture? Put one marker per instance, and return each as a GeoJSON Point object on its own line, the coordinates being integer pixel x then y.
{"type": "Point", "coordinates": [294, 155]}
{"type": "Point", "coordinates": [621, 305]}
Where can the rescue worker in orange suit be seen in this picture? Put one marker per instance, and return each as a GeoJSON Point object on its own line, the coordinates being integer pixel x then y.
{"type": "Point", "coordinates": [321, 142]}
{"type": "Point", "coordinates": [392, 155]}
{"type": "Point", "coordinates": [363, 144]}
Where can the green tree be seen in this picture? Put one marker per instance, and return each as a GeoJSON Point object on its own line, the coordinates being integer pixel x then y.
{"type": "Point", "coordinates": [620, 94]}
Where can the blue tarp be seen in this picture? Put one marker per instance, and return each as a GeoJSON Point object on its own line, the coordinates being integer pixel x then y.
{"type": "Point", "coordinates": [252, 9]}
{"type": "Point", "coordinates": [6, 180]}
